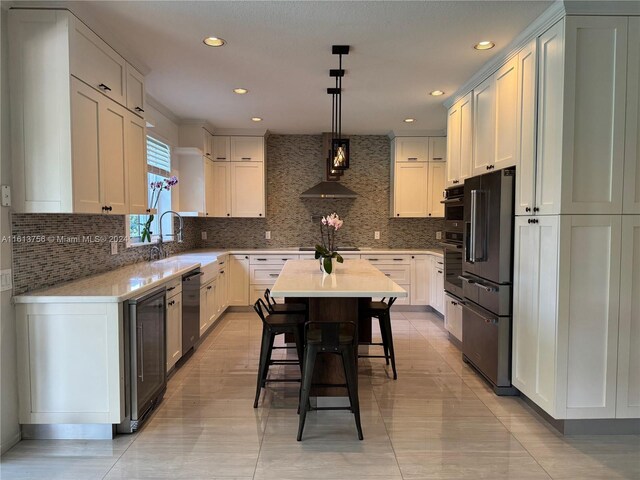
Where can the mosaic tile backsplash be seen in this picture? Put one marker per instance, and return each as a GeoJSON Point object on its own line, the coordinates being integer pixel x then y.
{"type": "Point", "coordinates": [294, 164]}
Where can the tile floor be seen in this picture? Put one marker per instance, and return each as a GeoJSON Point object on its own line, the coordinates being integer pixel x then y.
{"type": "Point", "coordinates": [438, 420]}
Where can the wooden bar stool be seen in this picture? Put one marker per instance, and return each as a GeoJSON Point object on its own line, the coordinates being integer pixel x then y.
{"type": "Point", "coordinates": [382, 311]}
{"type": "Point", "coordinates": [278, 308]}
{"type": "Point", "coordinates": [273, 325]}
{"type": "Point", "coordinates": [338, 338]}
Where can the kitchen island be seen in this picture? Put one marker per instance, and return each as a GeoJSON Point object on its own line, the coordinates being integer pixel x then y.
{"type": "Point", "coordinates": [340, 297]}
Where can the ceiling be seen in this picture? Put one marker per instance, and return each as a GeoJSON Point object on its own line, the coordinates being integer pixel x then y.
{"type": "Point", "coordinates": [281, 52]}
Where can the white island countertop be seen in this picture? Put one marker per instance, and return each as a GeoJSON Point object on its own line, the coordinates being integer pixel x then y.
{"type": "Point", "coordinates": [355, 278]}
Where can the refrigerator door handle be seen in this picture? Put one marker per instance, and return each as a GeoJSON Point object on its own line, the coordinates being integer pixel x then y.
{"type": "Point", "coordinates": [478, 230]}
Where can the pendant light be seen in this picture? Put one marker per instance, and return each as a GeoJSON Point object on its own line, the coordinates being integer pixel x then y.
{"type": "Point", "coordinates": [339, 154]}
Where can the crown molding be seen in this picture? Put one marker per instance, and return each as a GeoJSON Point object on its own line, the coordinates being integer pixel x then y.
{"type": "Point", "coordinates": [239, 132]}
{"type": "Point", "coordinates": [152, 102]}
{"type": "Point", "coordinates": [416, 133]}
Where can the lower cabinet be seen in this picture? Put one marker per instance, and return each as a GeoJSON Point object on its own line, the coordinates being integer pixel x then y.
{"type": "Point", "coordinates": [208, 305]}
{"type": "Point", "coordinates": [174, 330]}
{"type": "Point", "coordinates": [437, 284]}
{"type": "Point", "coordinates": [453, 316]}
{"type": "Point", "coordinates": [420, 279]}
{"type": "Point", "coordinates": [238, 280]}
{"type": "Point", "coordinates": [569, 350]}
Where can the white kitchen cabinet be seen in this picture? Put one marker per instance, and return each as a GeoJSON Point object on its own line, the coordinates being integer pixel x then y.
{"type": "Point", "coordinates": [96, 63]}
{"type": "Point", "coordinates": [238, 280]}
{"type": "Point", "coordinates": [174, 330]}
{"type": "Point", "coordinates": [208, 305]}
{"type": "Point", "coordinates": [484, 125]}
{"type": "Point", "coordinates": [220, 192]}
{"type": "Point", "coordinates": [198, 173]}
{"type": "Point", "coordinates": [453, 145]}
{"type": "Point", "coordinates": [410, 149]}
{"type": "Point", "coordinates": [409, 189]}
{"type": "Point", "coordinates": [436, 184]}
{"type": "Point", "coordinates": [506, 115]}
{"type": "Point", "coordinates": [135, 90]}
{"type": "Point", "coordinates": [466, 137]}
{"type": "Point", "coordinates": [223, 284]}
{"type": "Point", "coordinates": [221, 148]}
{"type": "Point", "coordinates": [136, 151]}
{"type": "Point", "coordinates": [247, 149]}
{"type": "Point", "coordinates": [631, 202]}
{"type": "Point", "coordinates": [247, 189]}
{"type": "Point", "coordinates": [437, 284]}
{"type": "Point", "coordinates": [437, 149]}
{"type": "Point", "coordinates": [420, 279]}
{"type": "Point", "coordinates": [453, 316]}
{"type": "Point", "coordinates": [99, 164]}
{"type": "Point", "coordinates": [197, 136]}
{"type": "Point", "coordinates": [628, 389]}
{"type": "Point", "coordinates": [526, 129]}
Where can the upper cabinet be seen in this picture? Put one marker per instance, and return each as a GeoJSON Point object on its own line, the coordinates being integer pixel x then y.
{"type": "Point", "coordinates": [631, 188]}
{"type": "Point", "coordinates": [247, 149]}
{"type": "Point", "coordinates": [484, 125]}
{"type": "Point", "coordinates": [418, 176]}
{"type": "Point", "coordinates": [460, 141]}
{"type": "Point", "coordinates": [76, 146]}
{"type": "Point", "coordinates": [135, 91]}
{"type": "Point", "coordinates": [222, 148]}
{"type": "Point", "coordinates": [197, 136]}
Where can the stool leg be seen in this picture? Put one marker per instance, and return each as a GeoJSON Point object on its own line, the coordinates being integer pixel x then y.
{"type": "Point", "coordinates": [387, 324]}
{"type": "Point", "coordinates": [385, 341]}
{"type": "Point", "coordinates": [349, 362]}
{"type": "Point", "coordinates": [263, 365]}
{"type": "Point", "coordinates": [309, 361]}
{"type": "Point", "coordinates": [298, 335]}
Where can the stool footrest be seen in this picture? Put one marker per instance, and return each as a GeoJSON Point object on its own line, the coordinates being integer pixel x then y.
{"type": "Point", "coordinates": [282, 380]}
{"type": "Point", "coordinates": [331, 408]}
{"type": "Point", "coordinates": [284, 362]}
{"type": "Point", "coordinates": [328, 385]}
{"type": "Point", "coordinates": [373, 356]}
{"type": "Point", "coordinates": [285, 348]}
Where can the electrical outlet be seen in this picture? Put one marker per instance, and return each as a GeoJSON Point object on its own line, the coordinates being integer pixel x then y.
{"type": "Point", "coordinates": [438, 235]}
{"type": "Point", "coordinates": [267, 235]}
{"type": "Point", "coordinates": [114, 248]}
{"type": "Point", "coordinates": [6, 196]}
{"type": "Point", "coordinates": [5, 280]}
{"type": "Point", "coordinates": [376, 235]}
{"type": "Point", "coordinates": [203, 235]}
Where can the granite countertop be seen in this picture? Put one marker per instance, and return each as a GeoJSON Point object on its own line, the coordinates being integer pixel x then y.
{"type": "Point", "coordinates": [139, 278]}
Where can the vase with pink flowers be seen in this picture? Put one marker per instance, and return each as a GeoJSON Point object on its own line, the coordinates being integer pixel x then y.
{"type": "Point", "coordinates": [326, 253]}
{"type": "Point", "coordinates": [156, 190]}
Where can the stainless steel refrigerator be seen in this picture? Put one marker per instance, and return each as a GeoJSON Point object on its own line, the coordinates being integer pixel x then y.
{"type": "Point", "coordinates": [487, 276]}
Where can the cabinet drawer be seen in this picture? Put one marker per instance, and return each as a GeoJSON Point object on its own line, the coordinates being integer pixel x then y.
{"type": "Point", "coordinates": [271, 259]}
{"type": "Point", "coordinates": [401, 274]}
{"type": "Point", "coordinates": [222, 261]}
{"type": "Point", "coordinates": [209, 272]}
{"type": "Point", "coordinates": [266, 274]}
{"type": "Point", "coordinates": [386, 259]}
{"type": "Point", "coordinates": [174, 287]}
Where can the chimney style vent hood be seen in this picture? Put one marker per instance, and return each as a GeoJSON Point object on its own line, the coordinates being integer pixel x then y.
{"type": "Point", "coordinates": [329, 190]}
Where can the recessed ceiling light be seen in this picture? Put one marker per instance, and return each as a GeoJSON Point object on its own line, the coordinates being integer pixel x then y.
{"type": "Point", "coordinates": [256, 119]}
{"type": "Point", "coordinates": [409, 120]}
{"type": "Point", "coordinates": [240, 91]}
{"type": "Point", "coordinates": [436, 93]}
{"type": "Point", "coordinates": [484, 45]}
{"type": "Point", "coordinates": [214, 41]}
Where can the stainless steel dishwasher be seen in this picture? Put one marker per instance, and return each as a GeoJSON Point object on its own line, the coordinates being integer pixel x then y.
{"type": "Point", "coordinates": [190, 310]}
{"type": "Point", "coordinates": [145, 357]}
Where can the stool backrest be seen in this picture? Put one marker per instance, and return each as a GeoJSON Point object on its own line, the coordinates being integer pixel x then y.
{"type": "Point", "coordinates": [270, 300]}
{"type": "Point", "coordinates": [260, 309]}
{"type": "Point", "coordinates": [331, 332]}
{"type": "Point", "coordinates": [391, 301]}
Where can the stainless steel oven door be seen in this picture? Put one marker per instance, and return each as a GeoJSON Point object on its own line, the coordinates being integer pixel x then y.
{"type": "Point", "coordinates": [453, 268]}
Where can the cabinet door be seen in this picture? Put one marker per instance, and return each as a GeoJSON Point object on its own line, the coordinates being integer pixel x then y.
{"type": "Point", "coordinates": [436, 177]}
{"type": "Point", "coordinates": [85, 140]}
{"type": "Point", "coordinates": [506, 153]}
{"type": "Point", "coordinates": [453, 316]}
{"type": "Point", "coordinates": [247, 189]}
{"type": "Point", "coordinates": [208, 144]}
{"type": "Point", "coordinates": [209, 187]}
{"type": "Point", "coordinates": [247, 149]}
{"type": "Point", "coordinates": [420, 275]}
{"type": "Point", "coordinates": [526, 130]}
{"type": "Point", "coordinates": [239, 280]}
{"type": "Point", "coordinates": [594, 117]}
{"type": "Point", "coordinates": [410, 189]}
{"type": "Point", "coordinates": [437, 149]}
{"type": "Point", "coordinates": [628, 397]}
{"type": "Point", "coordinates": [221, 149]}
{"type": "Point", "coordinates": [484, 125]}
{"type": "Point", "coordinates": [212, 301]}
{"type": "Point", "coordinates": [221, 190]}
{"type": "Point", "coordinates": [549, 128]}
{"type": "Point", "coordinates": [632, 146]}
{"type": "Point", "coordinates": [466, 137]}
{"type": "Point", "coordinates": [453, 145]}
{"type": "Point", "coordinates": [411, 149]}
{"type": "Point", "coordinates": [135, 91]}
{"type": "Point", "coordinates": [535, 317]}
{"type": "Point", "coordinates": [174, 330]}
{"type": "Point", "coordinates": [205, 293]}
{"type": "Point", "coordinates": [96, 63]}
{"type": "Point", "coordinates": [137, 164]}
{"type": "Point", "coordinates": [439, 289]}
{"type": "Point", "coordinates": [113, 158]}
{"type": "Point", "coordinates": [588, 311]}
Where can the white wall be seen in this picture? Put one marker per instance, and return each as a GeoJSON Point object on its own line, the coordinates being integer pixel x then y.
{"type": "Point", "coordinates": [9, 427]}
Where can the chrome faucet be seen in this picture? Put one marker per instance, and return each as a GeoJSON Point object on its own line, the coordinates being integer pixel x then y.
{"type": "Point", "coordinates": [178, 234]}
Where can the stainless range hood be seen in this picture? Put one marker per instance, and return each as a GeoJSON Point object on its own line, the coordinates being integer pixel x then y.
{"type": "Point", "coordinates": [329, 190]}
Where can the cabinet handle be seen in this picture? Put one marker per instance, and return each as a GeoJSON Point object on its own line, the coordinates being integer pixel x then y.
{"type": "Point", "coordinates": [138, 109]}
{"type": "Point", "coordinates": [532, 220]}
{"type": "Point", "coordinates": [397, 214]}
{"type": "Point", "coordinates": [246, 158]}
{"type": "Point", "coordinates": [172, 302]}
{"type": "Point", "coordinates": [397, 259]}
{"type": "Point", "coordinates": [412, 159]}
{"type": "Point", "coordinates": [527, 209]}
{"type": "Point", "coordinates": [220, 158]}
{"type": "Point", "coordinates": [261, 259]}
{"type": "Point", "coordinates": [220, 263]}
{"type": "Point", "coordinates": [439, 271]}
{"type": "Point", "coordinates": [228, 214]}
{"type": "Point", "coordinates": [456, 182]}
{"type": "Point", "coordinates": [170, 288]}
{"type": "Point", "coordinates": [208, 154]}
{"type": "Point", "coordinates": [437, 158]}
{"type": "Point", "coordinates": [103, 87]}
{"type": "Point", "coordinates": [387, 274]}
{"type": "Point", "coordinates": [536, 209]}
{"type": "Point", "coordinates": [221, 272]}
{"type": "Point", "coordinates": [209, 287]}
{"type": "Point", "coordinates": [374, 259]}
{"type": "Point", "coordinates": [274, 274]}
{"type": "Point", "coordinates": [140, 340]}
{"type": "Point", "coordinates": [246, 257]}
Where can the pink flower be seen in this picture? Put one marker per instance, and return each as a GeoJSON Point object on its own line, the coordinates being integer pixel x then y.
{"type": "Point", "coordinates": [338, 224]}
{"type": "Point", "coordinates": [324, 221]}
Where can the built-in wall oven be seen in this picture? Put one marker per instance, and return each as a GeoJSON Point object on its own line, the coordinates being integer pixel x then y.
{"type": "Point", "coordinates": [453, 239]}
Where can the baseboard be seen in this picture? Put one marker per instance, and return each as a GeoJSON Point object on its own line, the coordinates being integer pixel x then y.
{"type": "Point", "coordinates": [6, 446]}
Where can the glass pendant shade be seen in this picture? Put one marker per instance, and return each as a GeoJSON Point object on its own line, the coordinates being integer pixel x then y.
{"type": "Point", "coordinates": [340, 153]}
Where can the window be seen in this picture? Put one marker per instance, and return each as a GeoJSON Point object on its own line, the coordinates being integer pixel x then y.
{"type": "Point", "coordinates": [158, 169]}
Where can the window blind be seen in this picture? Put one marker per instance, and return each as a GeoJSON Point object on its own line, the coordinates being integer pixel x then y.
{"type": "Point", "coordinates": [158, 154]}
